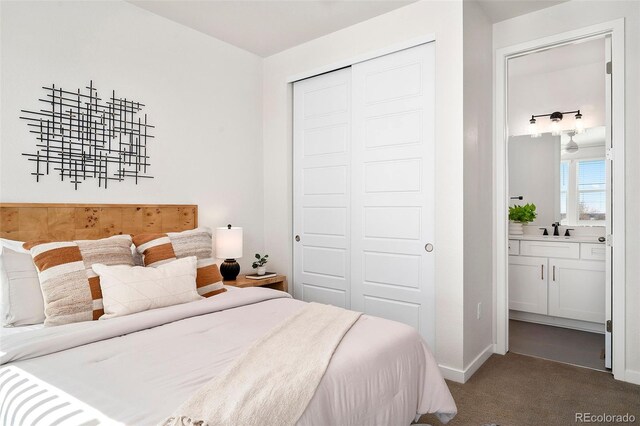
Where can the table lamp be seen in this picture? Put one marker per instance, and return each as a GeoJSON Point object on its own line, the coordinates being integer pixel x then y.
{"type": "Point", "coordinates": [229, 248]}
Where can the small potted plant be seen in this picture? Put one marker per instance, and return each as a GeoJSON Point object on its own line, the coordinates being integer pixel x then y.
{"type": "Point", "coordinates": [259, 264]}
{"type": "Point", "coordinates": [520, 215]}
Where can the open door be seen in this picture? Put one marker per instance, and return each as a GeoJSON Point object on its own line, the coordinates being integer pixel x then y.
{"type": "Point", "coordinates": [609, 214]}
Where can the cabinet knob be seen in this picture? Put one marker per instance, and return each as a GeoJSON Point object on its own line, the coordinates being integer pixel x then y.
{"type": "Point", "coordinates": [428, 247]}
{"type": "Point", "coordinates": [297, 238]}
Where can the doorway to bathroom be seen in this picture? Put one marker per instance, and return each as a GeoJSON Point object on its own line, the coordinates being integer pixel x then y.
{"type": "Point", "coordinates": [558, 171]}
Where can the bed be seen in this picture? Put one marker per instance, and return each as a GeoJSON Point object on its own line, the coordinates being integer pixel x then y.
{"type": "Point", "coordinates": [138, 368]}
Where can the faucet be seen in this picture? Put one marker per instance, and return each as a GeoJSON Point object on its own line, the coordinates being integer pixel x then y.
{"type": "Point", "coordinates": [545, 232]}
{"type": "Point", "coordinates": [555, 229]}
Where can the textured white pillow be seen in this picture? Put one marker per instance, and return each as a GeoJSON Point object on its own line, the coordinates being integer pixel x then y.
{"type": "Point", "coordinates": [130, 289]}
{"type": "Point", "coordinates": [21, 301]}
{"type": "Point", "coordinates": [13, 245]}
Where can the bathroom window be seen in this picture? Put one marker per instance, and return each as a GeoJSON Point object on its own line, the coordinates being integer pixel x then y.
{"type": "Point", "coordinates": [583, 192]}
{"type": "Point", "coordinates": [592, 195]}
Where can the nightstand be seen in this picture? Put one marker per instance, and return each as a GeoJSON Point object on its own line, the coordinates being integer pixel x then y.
{"type": "Point", "coordinates": [279, 282]}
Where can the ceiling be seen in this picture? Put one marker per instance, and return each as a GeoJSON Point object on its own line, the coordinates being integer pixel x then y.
{"type": "Point", "coordinates": [500, 10]}
{"type": "Point", "coordinates": [266, 27]}
{"type": "Point", "coordinates": [269, 26]}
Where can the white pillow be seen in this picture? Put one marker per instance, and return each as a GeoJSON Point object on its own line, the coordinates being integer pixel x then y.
{"type": "Point", "coordinates": [13, 245]}
{"type": "Point", "coordinates": [137, 257]}
{"type": "Point", "coordinates": [130, 289]}
{"type": "Point", "coordinates": [21, 301]}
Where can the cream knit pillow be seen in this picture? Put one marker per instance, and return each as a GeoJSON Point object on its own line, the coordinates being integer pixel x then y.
{"type": "Point", "coordinates": [157, 249]}
{"type": "Point", "coordinates": [130, 289]}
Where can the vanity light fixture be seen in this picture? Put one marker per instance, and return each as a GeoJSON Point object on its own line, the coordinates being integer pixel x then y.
{"type": "Point", "coordinates": [556, 118]}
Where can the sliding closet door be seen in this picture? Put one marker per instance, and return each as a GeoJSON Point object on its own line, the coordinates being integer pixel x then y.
{"type": "Point", "coordinates": [321, 187]}
{"type": "Point", "coordinates": [392, 249]}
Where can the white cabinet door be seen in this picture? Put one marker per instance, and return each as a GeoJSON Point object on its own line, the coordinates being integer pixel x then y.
{"type": "Point", "coordinates": [528, 284]}
{"type": "Point", "coordinates": [577, 289]}
{"type": "Point", "coordinates": [393, 188]}
{"type": "Point", "coordinates": [321, 187]}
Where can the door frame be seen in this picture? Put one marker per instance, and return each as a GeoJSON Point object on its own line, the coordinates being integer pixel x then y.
{"type": "Point", "coordinates": [615, 29]}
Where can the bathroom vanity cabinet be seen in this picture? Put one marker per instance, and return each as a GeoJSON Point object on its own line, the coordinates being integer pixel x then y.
{"type": "Point", "coordinates": [556, 281]}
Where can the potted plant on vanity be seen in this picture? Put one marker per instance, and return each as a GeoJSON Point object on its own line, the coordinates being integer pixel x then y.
{"type": "Point", "coordinates": [258, 265]}
{"type": "Point", "coordinates": [520, 215]}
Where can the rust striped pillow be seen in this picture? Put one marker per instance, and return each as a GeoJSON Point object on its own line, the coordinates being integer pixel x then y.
{"type": "Point", "coordinates": [157, 249]}
{"type": "Point", "coordinates": [70, 288]}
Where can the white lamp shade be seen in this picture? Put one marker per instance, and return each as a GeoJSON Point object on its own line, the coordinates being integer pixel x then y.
{"type": "Point", "coordinates": [229, 242]}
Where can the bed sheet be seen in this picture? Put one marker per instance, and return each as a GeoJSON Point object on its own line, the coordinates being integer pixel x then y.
{"type": "Point", "coordinates": [138, 369]}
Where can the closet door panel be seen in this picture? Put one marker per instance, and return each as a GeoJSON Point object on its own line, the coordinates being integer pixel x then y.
{"type": "Point", "coordinates": [322, 162]}
{"type": "Point", "coordinates": [392, 175]}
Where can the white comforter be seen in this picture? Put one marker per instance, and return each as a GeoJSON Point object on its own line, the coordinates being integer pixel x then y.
{"type": "Point", "coordinates": [137, 369]}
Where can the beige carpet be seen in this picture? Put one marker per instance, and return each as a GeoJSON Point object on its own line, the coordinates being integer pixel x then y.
{"type": "Point", "coordinates": [518, 390]}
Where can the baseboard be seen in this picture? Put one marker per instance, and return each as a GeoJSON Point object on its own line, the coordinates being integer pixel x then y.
{"type": "Point", "coordinates": [477, 362]}
{"type": "Point", "coordinates": [591, 327]}
{"type": "Point", "coordinates": [461, 376]}
{"type": "Point", "coordinates": [631, 376]}
{"type": "Point", "coordinates": [451, 373]}
{"type": "Point", "coordinates": [496, 350]}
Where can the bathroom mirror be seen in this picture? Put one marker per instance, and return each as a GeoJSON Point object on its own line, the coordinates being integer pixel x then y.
{"type": "Point", "coordinates": [564, 176]}
{"type": "Point", "coordinates": [556, 120]}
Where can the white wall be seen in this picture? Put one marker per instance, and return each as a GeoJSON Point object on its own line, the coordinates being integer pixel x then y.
{"type": "Point", "coordinates": [444, 20]}
{"type": "Point", "coordinates": [203, 96]}
{"type": "Point", "coordinates": [576, 14]}
{"type": "Point", "coordinates": [534, 173]}
{"type": "Point", "coordinates": [580, 87]}
{"type": "Point", "coordinates": [478, 187]}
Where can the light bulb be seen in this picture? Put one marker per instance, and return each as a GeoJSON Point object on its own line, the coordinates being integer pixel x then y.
{"type": "Point", "coordinates": [533, 128]}
{"type": "Point", "coordinates": [556, 118]}
{"type": "Point", "coordinates": [579, 123]}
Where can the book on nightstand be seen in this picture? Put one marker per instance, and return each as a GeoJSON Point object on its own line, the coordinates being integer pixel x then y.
{"type": "Point", "coordinates": [260, 277]}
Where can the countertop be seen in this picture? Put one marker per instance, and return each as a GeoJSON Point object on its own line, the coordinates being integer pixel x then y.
{"type": "Point", "coordinates": [579, 239]}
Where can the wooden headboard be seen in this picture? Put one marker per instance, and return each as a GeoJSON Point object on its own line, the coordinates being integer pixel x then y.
{"type": "Point", "coordinates": [64, 222]}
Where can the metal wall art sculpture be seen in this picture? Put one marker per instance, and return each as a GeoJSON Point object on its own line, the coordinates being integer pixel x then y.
{"type": "Point", "coordinates": [81, 136]}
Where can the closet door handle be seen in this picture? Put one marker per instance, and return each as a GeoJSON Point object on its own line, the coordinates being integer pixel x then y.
{"type": "Point", "coordinates": [554, 272]}
{"type": "Point", "coordinates": [297, 238]}
{"type": "Point", "coordinates": [542, 272]}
